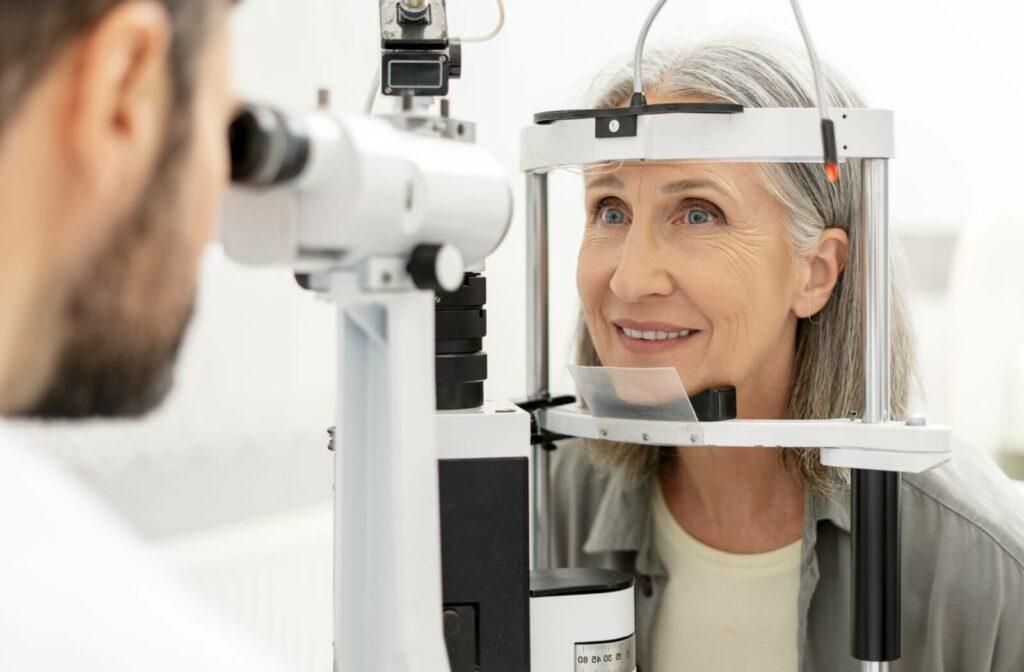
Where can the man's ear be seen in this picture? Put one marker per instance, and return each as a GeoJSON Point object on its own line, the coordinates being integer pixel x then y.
{"type": "Point", "coordinates": [118, 111]}
{"type": "Point", "coordinates": [820, 271]}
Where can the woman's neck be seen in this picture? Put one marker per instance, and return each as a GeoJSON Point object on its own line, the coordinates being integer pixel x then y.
{"type": "Point", "coordinates": [739, 500]}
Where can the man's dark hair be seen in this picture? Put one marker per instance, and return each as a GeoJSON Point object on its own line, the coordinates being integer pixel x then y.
{"type": "Point", "coordinates": [34, 32]}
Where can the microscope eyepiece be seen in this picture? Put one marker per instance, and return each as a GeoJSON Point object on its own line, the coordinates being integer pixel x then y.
{"type": "Point", "coordinates": [268, 147]}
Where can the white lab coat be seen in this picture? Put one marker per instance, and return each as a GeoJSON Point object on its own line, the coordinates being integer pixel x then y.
{"type": "Point", "coordinates": [79, 592]}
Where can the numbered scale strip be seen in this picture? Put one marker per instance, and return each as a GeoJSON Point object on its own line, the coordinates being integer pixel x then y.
{"type": "Point", "coordinates": [614, 656]}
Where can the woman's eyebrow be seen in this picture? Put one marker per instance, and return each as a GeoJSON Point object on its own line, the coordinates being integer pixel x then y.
{"type": "Point", "coordinates": [606, 181]}
{"type": "Point", "coordinates": [687, 185]}
{"type": "Point", "coordinates": [613, 182]}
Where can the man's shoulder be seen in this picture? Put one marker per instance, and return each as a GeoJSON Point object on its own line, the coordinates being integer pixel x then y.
{"type": "Point", "coordinates": [32, 482]}
{"type": "Point", "coordinates": [73, 572]}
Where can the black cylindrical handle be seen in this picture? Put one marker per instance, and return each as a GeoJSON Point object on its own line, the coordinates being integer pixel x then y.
{"type": "Point", "coordinates": [461, 324]}
{"type": "Point", "coordinates": [875, 527]}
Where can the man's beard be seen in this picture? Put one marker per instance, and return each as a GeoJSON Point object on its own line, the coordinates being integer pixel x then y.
{"type": "Point", "coordinates": [126, 318]}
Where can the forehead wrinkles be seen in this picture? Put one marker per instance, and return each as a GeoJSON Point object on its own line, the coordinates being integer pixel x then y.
{"type": "Point", "coordinates": [640, 182]}
{"type": "Point", "coordinates": [672, 179]}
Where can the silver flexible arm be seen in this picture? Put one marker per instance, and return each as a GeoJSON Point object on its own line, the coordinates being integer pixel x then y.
{"type": "Point", "coordinates": [638, 57]}
{"type": "Point", "coordinates": [821, 93]}
{"type": "Point", "coordinates": [819, 79]}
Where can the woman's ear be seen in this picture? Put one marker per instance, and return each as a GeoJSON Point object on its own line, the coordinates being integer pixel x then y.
{"type": "Point", "coordinates": [821, 269]}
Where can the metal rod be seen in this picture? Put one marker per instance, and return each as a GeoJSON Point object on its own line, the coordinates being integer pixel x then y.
{"type": "Point", "coordinates": [537, 285]}
{"type": "Point", "coordinates": [541, 491]}
{"type": "Point", "coordinates": [877, 288]}
{"type": "Point", "coordinates": [875, 507]}
{"type": "Point", "coordinates": [537, 382]}
{"type": "Point", "coordinates": [874, 667]}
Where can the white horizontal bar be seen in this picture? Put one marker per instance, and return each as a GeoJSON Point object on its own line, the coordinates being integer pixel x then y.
{"type": "Point", "coordinates": [854, 458]}
{"type": "Point", "coordinates": [780, 135]}
{"type": "Point", "coordinates": [893, 446]}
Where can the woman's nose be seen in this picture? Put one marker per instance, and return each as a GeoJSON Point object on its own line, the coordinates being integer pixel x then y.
{"type": "Point", "coordinates": [641, 272]}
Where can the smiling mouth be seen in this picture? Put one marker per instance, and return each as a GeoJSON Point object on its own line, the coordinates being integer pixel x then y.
{"type": "Point", "coordinates": [652, 338]}
{"type": "Point", "coordinates": [655, 335]}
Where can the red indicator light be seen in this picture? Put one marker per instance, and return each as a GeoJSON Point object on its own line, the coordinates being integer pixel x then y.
{"type": "Point", "coordinates": [832, 172]}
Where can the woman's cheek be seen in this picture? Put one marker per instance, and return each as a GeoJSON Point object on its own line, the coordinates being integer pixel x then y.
{"type": "Point", "coordinates": [593, 275]}
{"type": "Point", "coordinates": [589, 272]}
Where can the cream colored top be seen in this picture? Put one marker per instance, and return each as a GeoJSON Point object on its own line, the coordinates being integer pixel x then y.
{"type": "Point", "coordinates": [723, 611]}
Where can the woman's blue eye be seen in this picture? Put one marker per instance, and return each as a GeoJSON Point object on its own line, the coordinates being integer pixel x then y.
{"type": "Point", "coordinates": [610, 215]}
{"type": "Point", "coordinates": [698, 216]}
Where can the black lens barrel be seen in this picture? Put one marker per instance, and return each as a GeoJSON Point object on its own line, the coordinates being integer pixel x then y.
{"type": "Point", "coordinates": [268, 147]}
{"type": "Point", "coordinates": [461, 364]}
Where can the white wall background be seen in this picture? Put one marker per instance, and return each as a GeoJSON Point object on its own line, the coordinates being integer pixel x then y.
{"type": "Point", "coordinates": [243, 436]}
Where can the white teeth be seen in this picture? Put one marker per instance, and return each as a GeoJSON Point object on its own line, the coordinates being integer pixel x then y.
{"type": "Point", "coordinates": [654, 335]}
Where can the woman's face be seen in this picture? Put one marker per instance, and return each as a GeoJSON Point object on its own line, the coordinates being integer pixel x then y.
{"type": "Point", "coordinates": [687, 265]}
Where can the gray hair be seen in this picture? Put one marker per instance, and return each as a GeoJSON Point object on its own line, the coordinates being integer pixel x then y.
{"type": "Point", "coordinates": [828, 376]}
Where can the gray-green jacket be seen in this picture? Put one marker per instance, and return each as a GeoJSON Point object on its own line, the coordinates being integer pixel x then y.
{"type": "Point", "coordinates": [963, 562]}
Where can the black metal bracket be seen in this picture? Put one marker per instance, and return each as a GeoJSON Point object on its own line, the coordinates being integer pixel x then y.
{"type": "Point", "coordinates": [538, 435]}
{"type": "Point", "coordinates": [715, 404]}
{"type": "Point", "coordinates": [621, 122]}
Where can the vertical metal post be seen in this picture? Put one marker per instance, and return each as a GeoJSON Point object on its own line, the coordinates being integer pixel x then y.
{"type": "Point", "coordinates": [537, 383]}
{"type": "Point", "coordinates": [875, 519]}
{"type": "Point", "coordinates": [877, 288]}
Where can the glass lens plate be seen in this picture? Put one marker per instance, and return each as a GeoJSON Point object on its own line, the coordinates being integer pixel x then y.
{"type": "Point", "coordinates": [633, 394]}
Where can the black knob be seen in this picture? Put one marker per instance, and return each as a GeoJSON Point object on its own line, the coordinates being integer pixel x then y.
{"type": "Point", "coordinates": [437, 267]}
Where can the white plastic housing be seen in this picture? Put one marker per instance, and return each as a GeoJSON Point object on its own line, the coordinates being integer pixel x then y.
{"type": "Point", "coordinates": [756, 134]}
{"type": "Point", "coordinates": [506, 426]}
{"type": "Point", "coordinates": [371, 190]}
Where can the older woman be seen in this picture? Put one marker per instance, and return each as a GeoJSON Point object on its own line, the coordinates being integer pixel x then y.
{"type": "Point", "coordinates": [747, 275]}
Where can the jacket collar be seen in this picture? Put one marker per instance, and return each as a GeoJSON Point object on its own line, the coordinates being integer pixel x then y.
{"type": "Point", "coordinates": [623, 519]}
{"type": "Point", "coordinates": [833, 507]}
{"type": "Point", "coordinates": [622, 514]}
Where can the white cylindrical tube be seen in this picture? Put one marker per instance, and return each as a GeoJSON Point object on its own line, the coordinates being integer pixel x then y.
{"type": "Point", "coordinates": [356, 187]}
{"type": "Point", "coordinates": [374, 190]}
{"type": "Point", "coordinates": [581, 620]}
